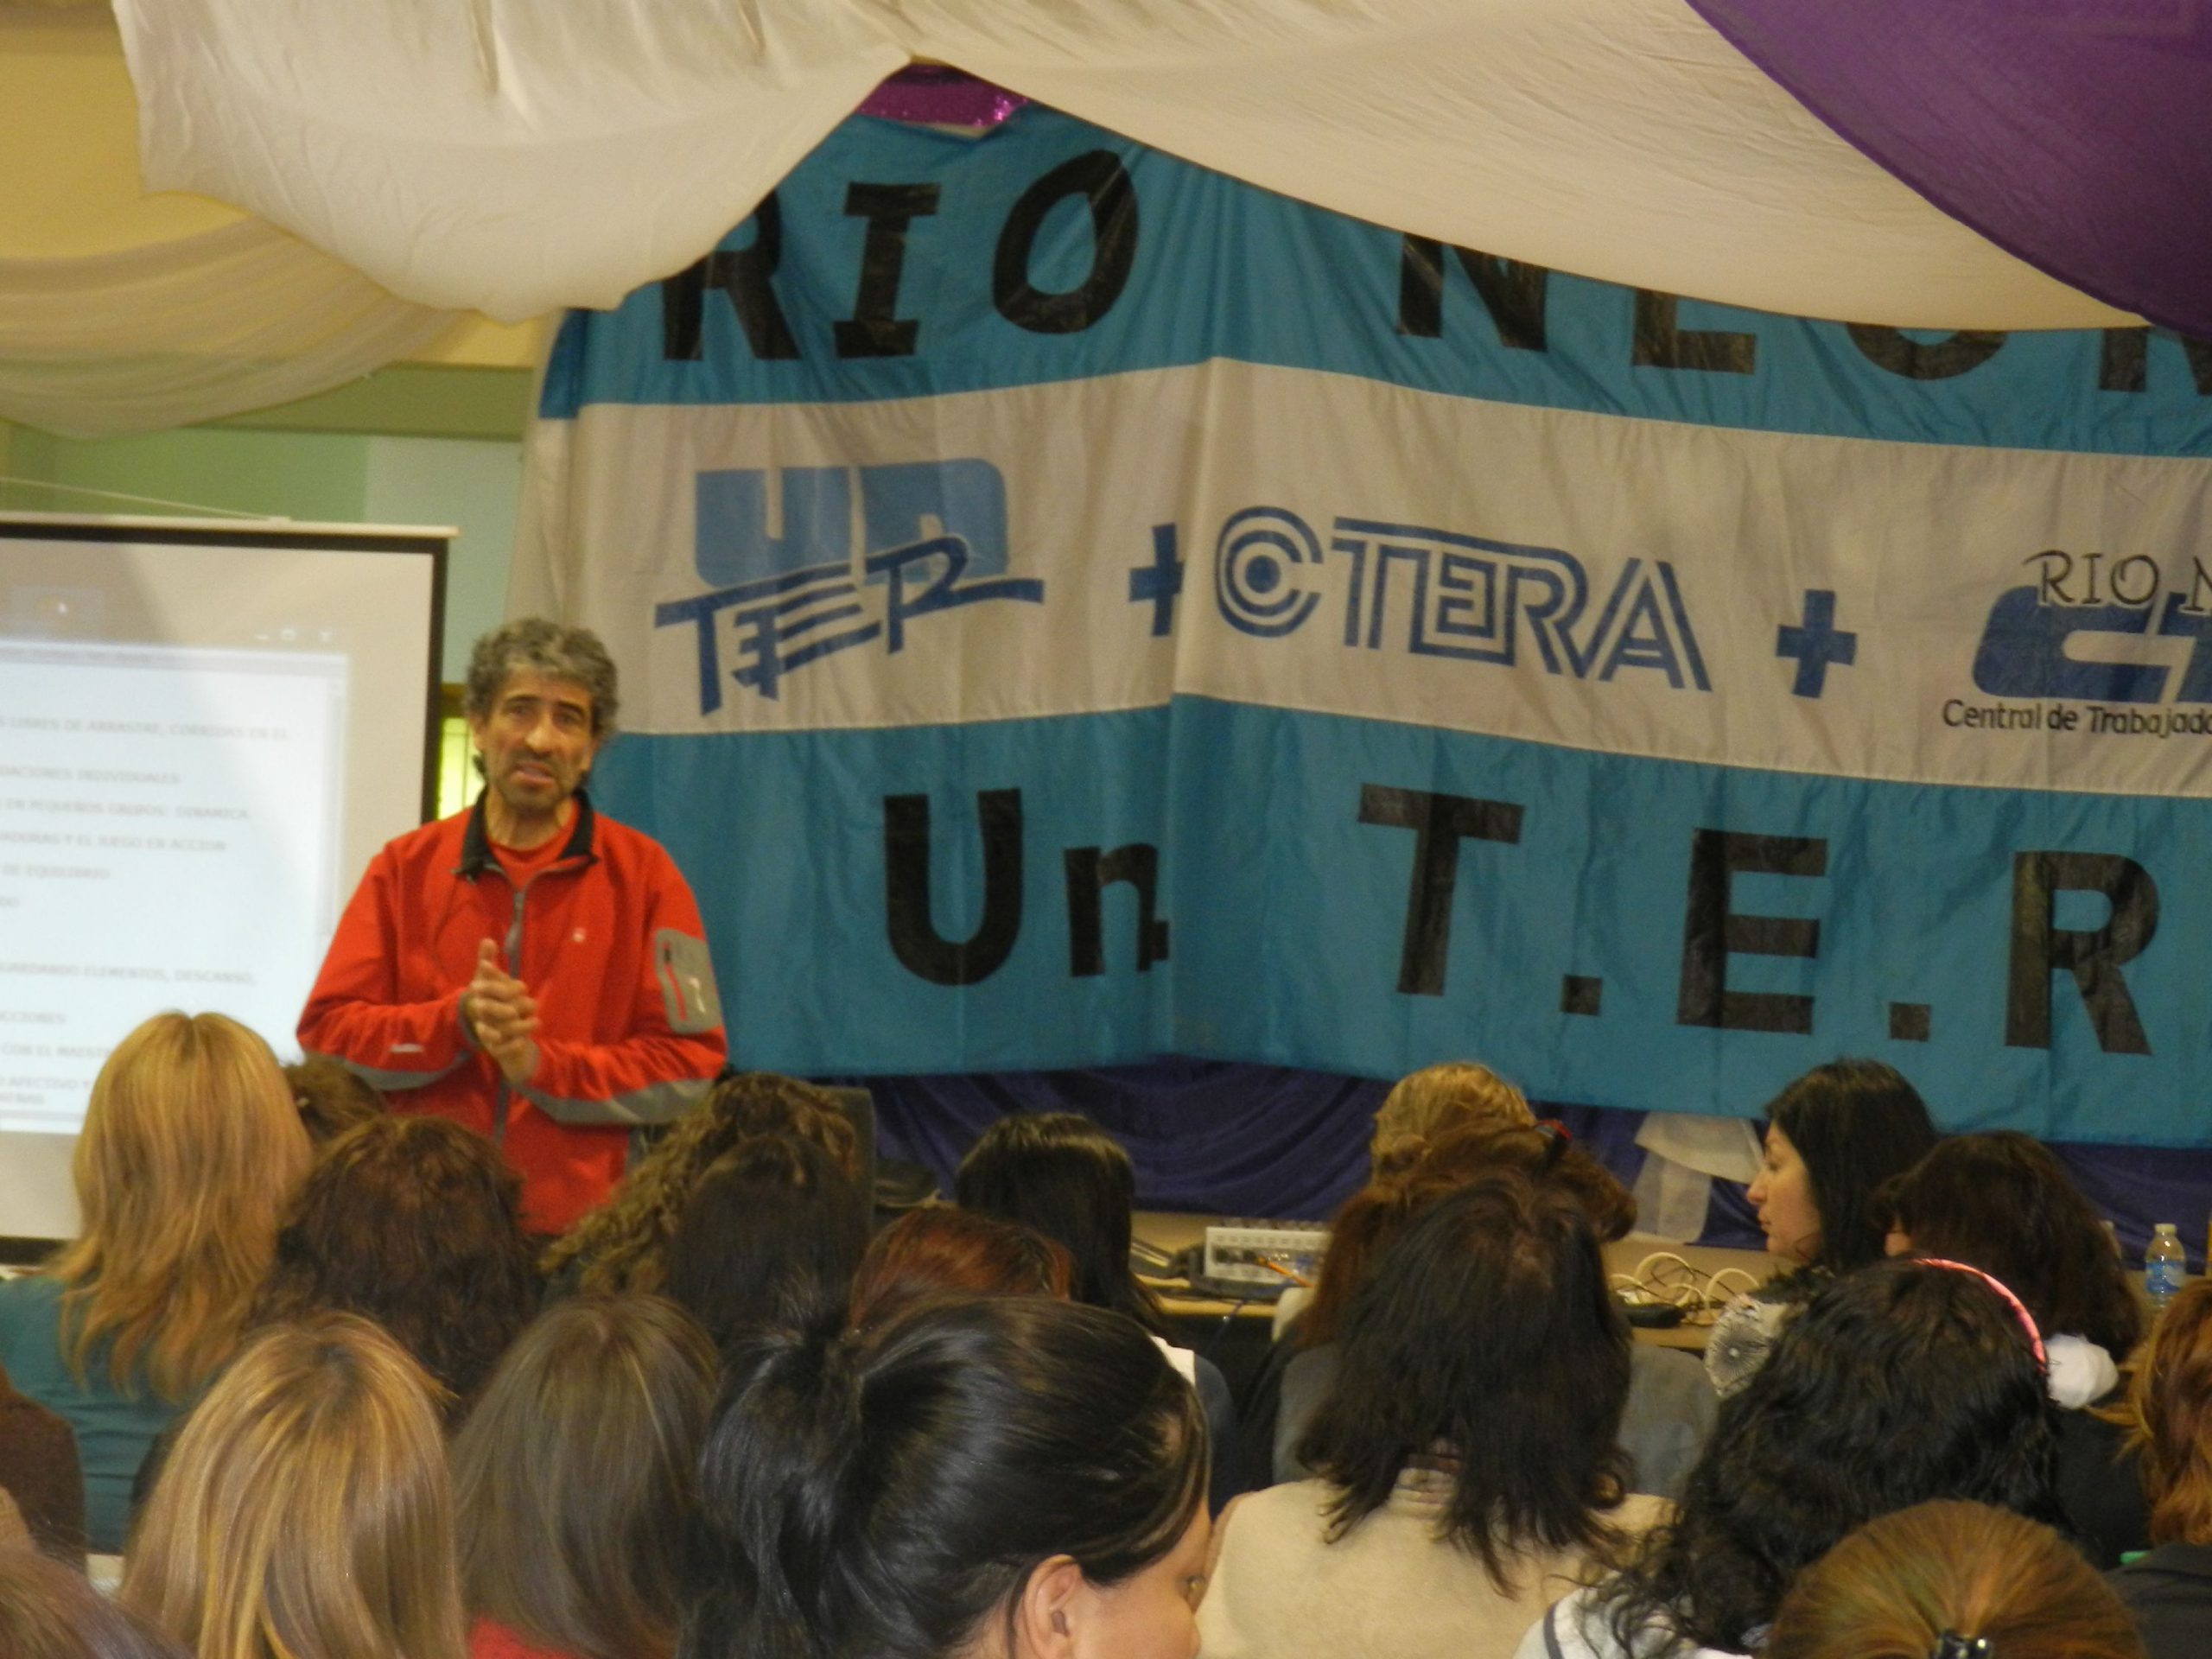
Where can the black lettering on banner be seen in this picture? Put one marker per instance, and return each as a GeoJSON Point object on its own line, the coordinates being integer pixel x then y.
{"type": "Point", "coordinates": [914, 939]}
{"type": "Point", "coordinates": [1098, 176]}
{"type": "Point", "coordinates": [1711, 932]}
{"type": "Point", "coordinates": [1439, 823]}
{"type": "Point", "coordinates": [875, 329]}
{"type": "Point", "coordinates": [2124, 365]}
{"type": "Point", "coordinates": [1892, 349]}
{"type": "Point", "coordinates": [1511, 292]}
{"type": "Point", "coordinates": [1659, 343]}
{"type": "Point", "coordinates": [2094, 957]}
{"type": "Point", "coordinates": [1088, 874]}
{"type": "Point", "coordinates": [740, 273]}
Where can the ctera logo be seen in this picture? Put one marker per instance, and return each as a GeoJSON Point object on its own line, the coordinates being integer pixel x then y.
{"type": "Point", "coordinates": [1438, 592]}
{"type": "Point", "coordinates": [931, 539]}
{"type": "Point", "coordinates": [2029, 645]}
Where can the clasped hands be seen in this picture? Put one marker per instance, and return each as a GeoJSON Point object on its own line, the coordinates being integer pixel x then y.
{"type": "Point", "coordinates": [501, 1013]}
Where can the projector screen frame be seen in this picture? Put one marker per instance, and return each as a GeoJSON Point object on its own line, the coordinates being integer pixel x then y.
{"type": "Point", "coordinates": [19, 1249]}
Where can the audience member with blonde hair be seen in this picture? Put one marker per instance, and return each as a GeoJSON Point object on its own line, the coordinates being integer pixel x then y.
{"type": "Point", "coordinates": [1952, 1578]}
{"type": "Point", "coordinates": [2170, 1589]}
{"type": "Point", "coordinates": [305, 1512]}
{"type": "Point", "coordinates": [574, 1482]}
{"type": "Point", "coordinates": [1424, 1103]}
{"type": "Point", "coordinates": [623, 1244]}
{"type": "Point", "coordinates": [192, 1147]}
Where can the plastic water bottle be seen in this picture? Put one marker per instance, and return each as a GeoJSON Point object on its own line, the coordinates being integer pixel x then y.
{"type": "Point", "coordinates": [2162, 1267]}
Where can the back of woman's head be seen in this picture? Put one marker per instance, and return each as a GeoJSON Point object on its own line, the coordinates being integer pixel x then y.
{"type": "Point", "coordinates": [1488, 1329]}
{"type": "Point", "coordinates": [1855, 1124]}
{"type": "Point", "coordinates": [893, 1492]}
{"type": "Point", "coordinates": [1903, 1382]}
{"type": "Point", "coordinates": [1461, 1154]}
{"type": "Point", "coordinates": [304, 1512]}
{"type": "Point", "coordinates": [2003, 1202]}
{"type": "Point", "coordinates": [190, 1151]}
{"type": "Point", "coordinates": [623, 1244]}
{"type": "Point", "coordinates": [769, 1240]}
{"type": "Point", "coordinates": [414, 1222]}
{"type": "Point", "coordinates": [48, 1611]}
{"type": "Point", "coordinates": [574, 1478]}
{"type": "Point", "coordinates": [1427, 1104]}
{"type": "Point", "coordinates": [1065, 1176]}
{"type": "Point", "coordinates": [1896, 1587]}
{"type": "Point", "coordinates": [331, 1098]}
{"type": "Point", "coordinates": [2171, 1401]}
{"type": "Point", "coordinates": [942, 1248]}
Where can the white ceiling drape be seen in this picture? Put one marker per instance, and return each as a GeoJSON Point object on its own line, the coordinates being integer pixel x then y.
{"type": "Point", "coordinates": [516, 157]}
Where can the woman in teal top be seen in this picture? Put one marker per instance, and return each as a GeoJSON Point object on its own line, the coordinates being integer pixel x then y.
{"type": "Point", "coordinates": [192, 1147]}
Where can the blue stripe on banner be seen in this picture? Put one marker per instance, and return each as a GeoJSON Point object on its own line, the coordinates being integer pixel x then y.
{"type": "Point", "coordinates": [1952, 930]}
{"type": "Point", "coordinates": [898, 262]}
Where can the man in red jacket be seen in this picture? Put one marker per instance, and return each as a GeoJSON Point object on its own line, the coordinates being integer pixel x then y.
{"type": "Point", "coordinates": [528, 968]}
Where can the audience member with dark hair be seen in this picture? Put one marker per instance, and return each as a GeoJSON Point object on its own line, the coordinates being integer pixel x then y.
{"type": "Point", "coordinates": [305, 1512]}
{"type": "Point", "coordinates": [1470, 1468]}
{"type": "Point", "coordinates": [1006, 1475]}
{"type": "Point", "coordinates": [40, 1473]}
{"type": "Point", "coordinates": [48, 1611]}
{"type": "Point", "coordinates": [1900, 1382]}
{"type": "Point", "coordinates": [1670, 1407]}
{"type": "Point", "coordinates": [416, 1222]}
{"type": "Point", "coordinates": [574, 1482]}
{"type": "Point", "coordinates": [1832, 1138]}
{"type": "Point", "coordinates": [941, 1248]}
{"type": "Point", "coordinates": [769, 1240]}
{"type": "Point", "coordinates": [1951, 1579]}
{"type": "Point", "coordinates": [2002, 1202]}
{"type": "Point", "coordinates": [2170, 1589]}
{"type": "Point", "coordinates": [623, 1244]}
{"type": "Point", "coordinates": [1062, 1174]}
{"type": "Point", "coordinates": [331, 1098]}
{"type": "Point", "coordinates": [191, 1149]}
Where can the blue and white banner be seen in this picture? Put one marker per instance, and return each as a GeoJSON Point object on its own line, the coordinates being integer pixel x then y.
{"type": "Point", "coordinates": [1073, 607]}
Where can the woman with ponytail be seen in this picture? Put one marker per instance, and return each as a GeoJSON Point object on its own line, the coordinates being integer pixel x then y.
{"type": "Point", "coordinates": [1007, 1476]}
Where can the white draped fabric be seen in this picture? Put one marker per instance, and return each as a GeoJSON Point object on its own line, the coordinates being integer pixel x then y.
{"type": "Point", "coordinates": [240, 317]}
{"type": "Point", "coordinates": [519, 157]}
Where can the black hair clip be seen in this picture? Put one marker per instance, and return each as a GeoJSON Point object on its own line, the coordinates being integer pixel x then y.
{"type": "Point", "coordinates": [1952, 1645]}
{"type": "Point", "coordinates": [1556, 1134]}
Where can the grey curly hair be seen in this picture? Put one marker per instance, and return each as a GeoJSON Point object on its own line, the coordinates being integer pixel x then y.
{"type": "Point", "coordinates": [553, 649]}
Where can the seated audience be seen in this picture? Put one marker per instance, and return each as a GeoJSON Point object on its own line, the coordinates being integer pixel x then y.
{"type": "Point", "coordinates": [575, 1484]}
{"type": "Point", "coordinates": [1469, 1459]}
{"type": "Point", "coordinates": [2170, 1589]}
{"type": "Point", "coordinates": [1670, 1407]}
{"type": "Point", "coordinates": [1062, 1174]}
{"type": "Point", "coordinates": [1900, 1382]}
{"type": "Point", "coordinates": [48, 1611]}
{"type": "Point", "coordinates": [2003, 1203]}
{"type": "Point", "coordinates": [40, 1474]}
{"type": "Point", "coordinates": [190, 1151]}
{"type": "Point", "coordinates": [940, 1247]}
{"type": "Point", "coordinates": [1004, 1476]}
{"type": "Point", "coordinates": [414, 1222]}
{"type": "Point", "coordinates": [1833, 1137]}
{"type": "Point", "coordinates": [305, 1512]}
{"type": "Point", "coordinates": [1950, 1580]}
{"type": "Point", "coordinates": [331, 1098]}
{"type": "Point", "coordinates": [1426, 1103]}
{"type": "Point", "coordinates": [769, 1240]}
{"type": "Point", "coordinates": [623, 1244]}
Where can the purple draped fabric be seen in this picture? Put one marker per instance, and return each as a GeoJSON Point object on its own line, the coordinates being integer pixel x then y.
{"type": "Point", "coordinates": [1276, 1142]}
{"type": "Point", "coordinates": [2076, 134]}
{"type": "Point", "coordinates": [944, 98]}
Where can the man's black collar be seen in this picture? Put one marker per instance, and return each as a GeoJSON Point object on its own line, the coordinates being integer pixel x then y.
{"type": "Point", "coordinates": [476, 856]}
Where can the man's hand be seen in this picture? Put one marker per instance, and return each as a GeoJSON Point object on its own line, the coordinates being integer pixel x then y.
{"type": "Point", "coordinates": [501, 1015]}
